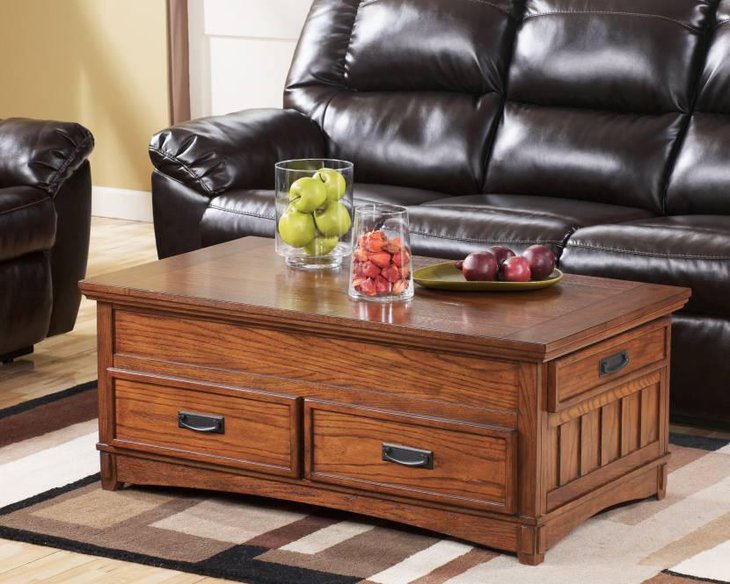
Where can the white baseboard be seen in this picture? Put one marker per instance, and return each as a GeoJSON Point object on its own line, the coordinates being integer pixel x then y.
{"type": "Point", "coordinates": [121, 204]}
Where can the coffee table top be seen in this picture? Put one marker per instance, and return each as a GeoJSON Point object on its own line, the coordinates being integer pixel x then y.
{"type": "Point", "coordinates": [244, 280]}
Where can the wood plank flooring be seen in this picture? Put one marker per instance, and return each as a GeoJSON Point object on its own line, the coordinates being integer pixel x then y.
{"type": "Point", "coordinates": [68, 360]}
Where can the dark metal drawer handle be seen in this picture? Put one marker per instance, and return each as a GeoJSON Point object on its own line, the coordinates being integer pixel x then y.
{"type": "Point", "coordinates": [407, 456]}
{"type": "Point", "coordinates": [613, 363]}
{"type": "Point", "coordinates": [208, 423]}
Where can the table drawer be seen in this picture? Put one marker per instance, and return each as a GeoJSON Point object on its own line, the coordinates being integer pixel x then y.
{"type": "Point", "coordinates": [579, 375]}
{"type": "Point", "coordinates": [462, 464]}
{"type": "Point", "coordinates": [226, 426]}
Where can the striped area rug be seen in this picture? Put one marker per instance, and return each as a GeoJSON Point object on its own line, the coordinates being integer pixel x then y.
{"type": "Point", "coordinates": [50, 495]}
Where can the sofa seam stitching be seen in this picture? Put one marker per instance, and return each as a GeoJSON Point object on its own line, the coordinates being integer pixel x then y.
{"type": "Point", "coordinates": [616, 13]}
{"type": "Point", "coordinates": [500, 9]}
{"type": "Point", "coordinates": [246, 213]}
{"type": "Point", "coordinates": [55, 180]}
{"type": "Point", "coordinates": [473, 239]}
{"type": "Point", "coordinates": [347, 48]}
{"type": "Point", "coordinates": [646, 253]}
{"type": "Point", "coordinates": [24, 206]}
{"type": "Point", "coordinates": [185, 167]}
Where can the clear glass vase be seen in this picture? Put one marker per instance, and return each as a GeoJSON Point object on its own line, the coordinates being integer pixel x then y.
{"type": "Point", "coordinates": [380, 270]}
{"type": "Point", "coordinates": [314, 212]}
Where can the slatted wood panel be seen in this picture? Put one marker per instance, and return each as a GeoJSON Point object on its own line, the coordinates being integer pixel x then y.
{"type": "Point", "coordinates": [610, 433]}
{"type": "Point", "coordinates": [570, 443]}
{"type": "Point", "coordinates": [590, 433]}
{"type": "Point", "coordinates": [600, 436]}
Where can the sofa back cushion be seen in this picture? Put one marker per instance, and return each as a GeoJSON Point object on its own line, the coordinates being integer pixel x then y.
{"type": "Point", "coordinates": [700, 183]}
{"type": "Point", "coordinates": [599, 92]}
{"type": "Point", "coordinates": [409, 90]}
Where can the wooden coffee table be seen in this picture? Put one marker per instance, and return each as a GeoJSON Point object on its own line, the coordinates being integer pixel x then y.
{"type": "Point", "coordinates": [502, 419]}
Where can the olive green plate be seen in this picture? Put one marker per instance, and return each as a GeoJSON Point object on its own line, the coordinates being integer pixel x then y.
{"type": "Point", "coordinates": [445, 276]}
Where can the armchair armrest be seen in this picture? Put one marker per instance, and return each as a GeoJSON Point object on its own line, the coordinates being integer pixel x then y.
{"type": "Point", "coordinates": [234, 151]}
{"type": "Point", "coordinates": [41, 153]}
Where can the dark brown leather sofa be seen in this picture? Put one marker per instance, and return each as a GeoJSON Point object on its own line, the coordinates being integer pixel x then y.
{"type": "Point", "coordinates": [45, 215]}
{"type": "Point", "coordinates": [599, 127]}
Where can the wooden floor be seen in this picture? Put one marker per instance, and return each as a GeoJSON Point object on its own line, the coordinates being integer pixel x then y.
{"type": "Point", "coordinates": [62, 362]}
{"type": "Point", "coordinates": [68, 360]}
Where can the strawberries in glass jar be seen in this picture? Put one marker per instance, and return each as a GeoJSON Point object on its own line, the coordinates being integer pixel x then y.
{"type": "Point", "coordinates": [381, 266]}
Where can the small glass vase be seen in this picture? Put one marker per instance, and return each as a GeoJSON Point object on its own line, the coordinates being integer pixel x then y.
{"type": "Point", "coordinates": [314, 212]}
{"type": "Point", "coordinates": [380, 270]}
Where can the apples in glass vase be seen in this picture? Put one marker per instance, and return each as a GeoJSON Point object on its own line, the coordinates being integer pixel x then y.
{"type": "Point", "coordinates": [313, 212]}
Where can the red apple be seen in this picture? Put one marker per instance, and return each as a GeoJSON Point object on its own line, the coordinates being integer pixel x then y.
{"type": "Point", "coordinates": [541, 260]}
{"type": "Point", "coordinates": [480, 266]}
{"type": "Point", "coordinates": [516, 269]}
{"type": "Point", "coordinates": [502, 253]}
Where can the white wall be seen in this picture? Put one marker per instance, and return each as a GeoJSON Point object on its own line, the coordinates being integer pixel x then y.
{"type": "Point", "coordinates": [240, 51]}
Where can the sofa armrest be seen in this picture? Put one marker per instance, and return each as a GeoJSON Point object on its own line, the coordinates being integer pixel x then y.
{"type": "Point", "coordinates": [41, 153]}
{"type": "Point", "coordinates": [234, 151]}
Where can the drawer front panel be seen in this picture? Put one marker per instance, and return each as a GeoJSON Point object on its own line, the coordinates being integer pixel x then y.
{"type": "Point", "coordinates": [431, 375]}
{"type": "Point", "coordinates": [450, 462]}
{"type": "Point", "coordinates": [573, 377]}
{"type": "Point", "coordinates": [239, 428]}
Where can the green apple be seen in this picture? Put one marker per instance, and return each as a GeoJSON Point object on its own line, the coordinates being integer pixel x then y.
{"type": "Point", "coordinates": [320, 246]}
{"type": "Point", "coordinates": [297, 229]}
{"type": "Point", "coordinates": [333, 220]}
{"type": "Point", "coordinates": [334, 181]}
{"type": "Point", "coordinates": [307, 194]}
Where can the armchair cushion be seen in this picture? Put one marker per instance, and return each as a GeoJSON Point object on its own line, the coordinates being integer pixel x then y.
{"type": "Point", "coordinates": [27, 221]}
{"type": "Point", "coordinates": [41, 153]}
{"type": "Point", "coordinates": [235, 151]}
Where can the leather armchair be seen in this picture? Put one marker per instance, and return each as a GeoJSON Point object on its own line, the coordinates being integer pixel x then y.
{"type": "Point", "coordinates": [45, 218]}
{"type": "Point", "coordinates": [598, 127]}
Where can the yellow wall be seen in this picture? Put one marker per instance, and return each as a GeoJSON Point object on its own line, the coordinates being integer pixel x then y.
{"type": "Point", "coordinates": [102, 63]}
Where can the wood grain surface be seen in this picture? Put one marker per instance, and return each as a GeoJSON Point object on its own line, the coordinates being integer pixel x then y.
{"type": "Point", "coordinates": [577, 373]}
{"type": "Point", "coordinates": [245, 280]}
{"type": "Point", "coordinates": [261, 430]}
{"type": "Point", "coordinates": [473, 466]}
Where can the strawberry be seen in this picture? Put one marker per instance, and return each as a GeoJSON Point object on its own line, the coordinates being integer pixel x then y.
{"type": "Point", "coordinates": [402, 259]}
{"type": "Point", "coordinates": [360, 255]}
{"type": "Point", "coordinates": [380, 259]}
{"type": "Point", "coordinates": [374, 240]}
{"type": "Point", "coordinates": [357, 282]}
{"type": "Point", "coordinates": [400, 286]}
{"type": "Point", "coordinates": [394, 245]}
{"type": "Point", "coordinates": [367, 287]}
{"type": "Point", "coordinates": [382, 286]}
{"type": "Point", "coordinates": [370, 270]}
{"type": "Point", "coordinates": [405, 271]}
{"type": "Point", "coordinates": [391, 273]}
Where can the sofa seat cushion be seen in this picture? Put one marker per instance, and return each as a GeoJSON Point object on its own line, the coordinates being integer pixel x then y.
{"type": "Point", "coordinates": [27, 221]}
{"type": "Point", "coordinates": [455, 226]}
{"type": "Point", "coordinates": [251, 212]}
{"type": "Point", "coordinates": [689, 250]}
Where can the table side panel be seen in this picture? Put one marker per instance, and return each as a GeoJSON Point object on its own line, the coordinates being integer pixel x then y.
{"type": "Point", "coordinates": [603, 438]}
